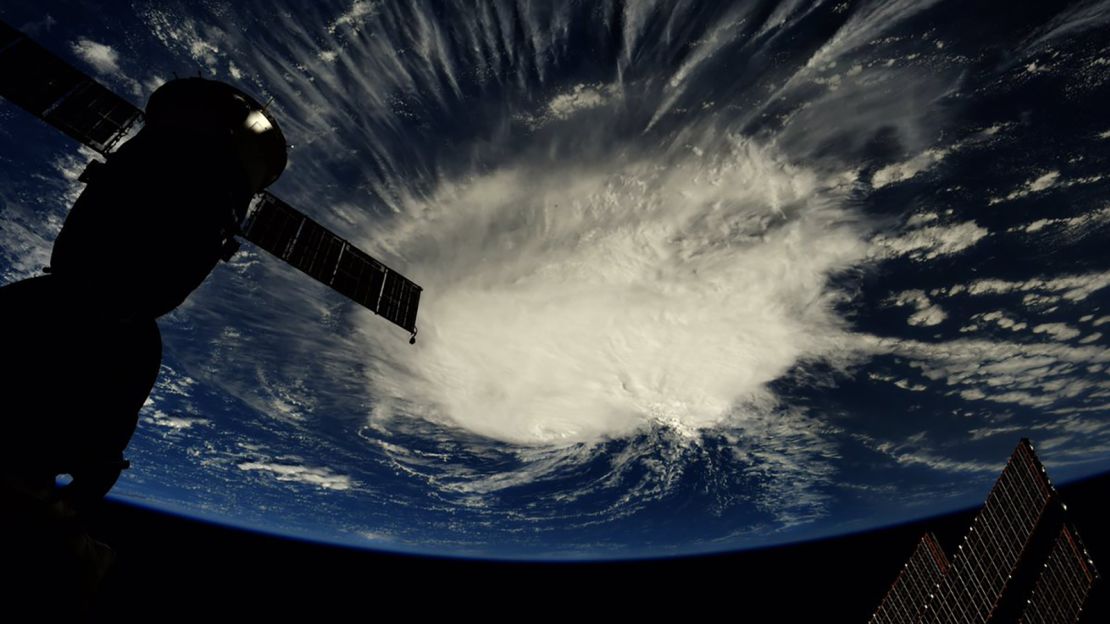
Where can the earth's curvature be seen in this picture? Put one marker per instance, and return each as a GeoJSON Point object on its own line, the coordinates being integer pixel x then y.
{"type": "Point", "coordinates": [699, 276]}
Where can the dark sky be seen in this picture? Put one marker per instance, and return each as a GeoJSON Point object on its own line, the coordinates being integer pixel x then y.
{"type": "Point", "coordinates": [196, 569]}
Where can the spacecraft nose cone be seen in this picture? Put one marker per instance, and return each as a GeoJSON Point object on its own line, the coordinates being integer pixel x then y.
{"type": "Point", "coordinates": [197, 106]}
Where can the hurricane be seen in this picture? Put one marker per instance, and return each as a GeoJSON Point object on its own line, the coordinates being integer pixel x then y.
{"type": "Point", "coordinates": [697, 276]}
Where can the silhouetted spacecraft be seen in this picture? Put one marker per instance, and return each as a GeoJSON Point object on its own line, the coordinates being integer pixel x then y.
{"type": "Point", "coordinates": [1020, 562]}
{"type": "Point", "coordinates": [166, 206]}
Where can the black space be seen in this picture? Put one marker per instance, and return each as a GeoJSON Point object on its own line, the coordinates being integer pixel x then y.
{"type": "Point", "coordinates": [170, 567]}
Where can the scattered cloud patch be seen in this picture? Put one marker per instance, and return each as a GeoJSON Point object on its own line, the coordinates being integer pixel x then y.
{"type": "Point", "coordinates": [354, 15]}
{"type": "Point", "coordinates": [1059, 331]}
{"type": "Point", "coordinates": [562, 106]}
{"type": "Point", "coordinates": [1001, 319]}
{"type": "Point", "coordinates": [1044, 182]}
{"type": "Point", "coordinates": [171, 382]}
{"type": "Point", "coordinates": [161, 419]}
{"type": "Point", "coordinates": [911, 454]}
{"type": "Point", "coordinates": [1041, 291]}
{"type": "Point", "coordinates": [900, 172]}
{"type": "Point", "coordinates": [26, 236]}
{"type": "Point", "coordinates": [152, 83]}
{"type": "Point", "coordinates": [926, 160]}
{"type": "Point", "coordinates": [927, 313]}
{"type": "Point", "coordinates": [906, 384]}
{"type": "Point", "coordinates": [323, 478]}
{"type": "Point", "coordinates": [1039, 374]}
{"type": "Point", "coordinates": [581, 97]}
{"type": "Point", "coordinates": [103, 58]}
{"type": "Point", "coordinates": [1073, 226]}
{"type": "Point", "coordinates": [1036, 185]}
{"type": "Point", "coordinates": [199, 42]}
{"type": "Point", "coordinates": [930, 242]}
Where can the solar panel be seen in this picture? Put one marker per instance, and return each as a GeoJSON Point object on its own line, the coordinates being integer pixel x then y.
{"type": "Point", "coordinates": [914, 585]}
{"type": "Point", "coordinates": [290, 235]}
{"type": "Point", "coordinates": [46, 86]}
{"type": "Point", "coordinates": [1063, 584]}
{"type": "Point", "coordinates": [993, 547]}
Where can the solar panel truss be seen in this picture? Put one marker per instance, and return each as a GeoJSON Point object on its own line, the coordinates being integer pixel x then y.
{"type": "Point", "coordinates": [292, 236]}
{"type": "Point", "coordinates": [46, 86]}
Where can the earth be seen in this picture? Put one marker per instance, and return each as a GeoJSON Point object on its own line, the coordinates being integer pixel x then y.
{"type": "Point", "coordinates": [698, 276]}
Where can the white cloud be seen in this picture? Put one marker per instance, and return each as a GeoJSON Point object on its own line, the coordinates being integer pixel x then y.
{"type": "Point", "coordinates": [26, 236]}
{"type": "Point", "coordinates": [577, 302]}
{"type": "Point", "coordinates": [1036, 185]}
{"type": "Point", "coordinates": [153, 83]}
{"type": "Point", "coordinates": [719, 35]}
{"type": "Point", "coordinates": [1044, 182]}
{"type": "Point", "coordinates": [581, 97]}
{"type": "Point", "coordinates": [928, 243]}
{"type": "Point", "coordinates": [1070, 22]}
{"type": "Point", "coordinates": [184, 33]}
{"type": "Point", "coordinates": [1059, 331]}
{"type": "Point", "coordinates": [323, 478]}
{"type": "Point", "coordinates": [932, 315]}
{"type": "Point", "coordinates": [161, 419]}
{"type": "Point", "coordinates": [103, 58]}
{"type": "Point", "coordinates": [1073, 226]}
{"type": "Point", "coordinates": [927, 313]}
{"type": "Point", "coordinates": [204, 51]}
{"type": "Point", "coordinates": [1045, 290]}
{"type": "Point", "coordinates": [908, 453]}
{"type": "Point", "coordinates": [906, 384]}
{"type": "Point", "coordinates": [1033, 374]}
{"type": "Point", "coordinates": [1039, 224]}
{"type": "Point", "coordinates": [902, 171]}
{"type": "Point", "coordinates": [866, 24]}
{"type": "Point", "coordinates": [563, 105]}
{"type": "Point", "coordinates": [1001, 319]}
{"type": "Point", "coordinates": [899, 172]}
{"type": "Point", "coordinates": [353, 16]}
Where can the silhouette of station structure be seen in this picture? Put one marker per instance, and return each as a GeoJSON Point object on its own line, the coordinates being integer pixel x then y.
{"type": "Point", "coordinates": [1020, 562]}
{"type": "Point", "coordinates": [176, 185]}
{"type": "Point", "coordinates": [173, 188]}
{"type": "Point", "coordinates": [194, 133]}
